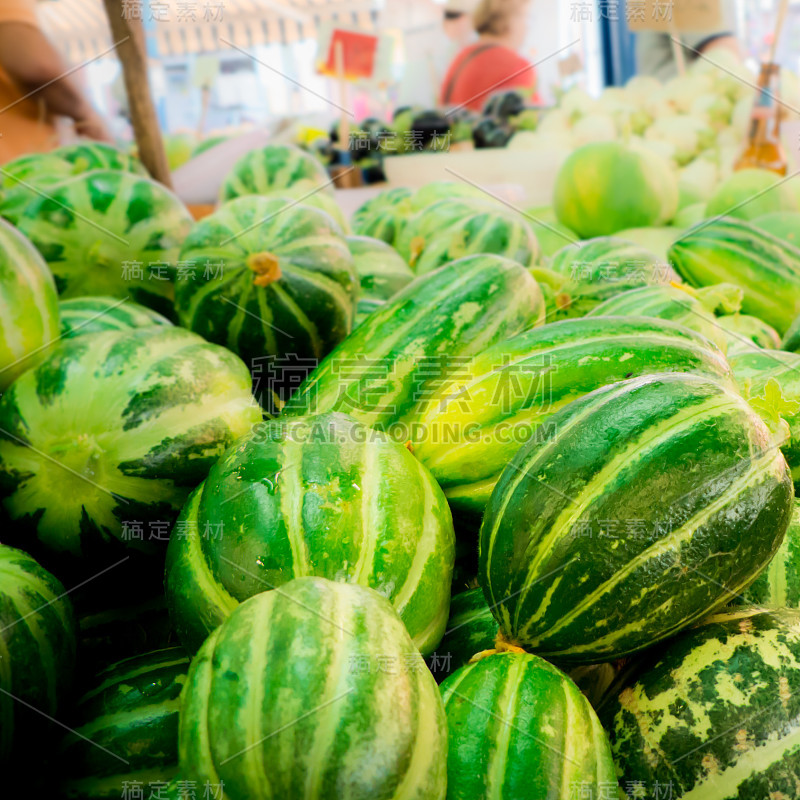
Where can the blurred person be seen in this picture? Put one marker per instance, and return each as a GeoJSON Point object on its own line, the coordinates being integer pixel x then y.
{"type": "Point", "coordinates": [34, 89]}
{"type": "Point", "coordinates": [493, 64]}
{"type": "Point", "coordinates": [655, 54]}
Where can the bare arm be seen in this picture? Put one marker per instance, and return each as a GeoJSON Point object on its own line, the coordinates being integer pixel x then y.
{"type": "Point", "coordinates": [36, 67]}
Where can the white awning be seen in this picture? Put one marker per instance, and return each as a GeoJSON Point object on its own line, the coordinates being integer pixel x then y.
{"type": "Point", "coordinates": [80, 27]}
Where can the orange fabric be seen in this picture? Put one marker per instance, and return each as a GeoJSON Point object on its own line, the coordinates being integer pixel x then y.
{"type": "Point", "coordinates": [25, 127]}
{"type": "Point", "coordinates": [473, 78]}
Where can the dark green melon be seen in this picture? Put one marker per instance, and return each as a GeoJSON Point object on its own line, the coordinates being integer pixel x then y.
{"type": "Point", "coordinates": [381, 271]}
{"type": "Point", "coordinates": [82, 315]}
{"type": "Point", "coordinates": [518, 727]}
{"type": "Point", "coordinates": [713, 714]}
{"type": "Point", "coordinates": [284, 294]}
{"type": "Point", "coordinates": [391, 365]}
{"type": "Point", "coordinates": [37, 652]}
{"type": "Point", "coordinates": [322, 496]}
{"type": "Point", "coordinates": [125, 729]}
{"type": "Point", "coordinates": [506, 396]}
{"type": "Point", "coordinates": [110, 233]}
{"type": "Point", "coordinates": [650, 504]}
{"type": "Point", "coordinates": [315, 691]}
{"type": "Point", "coordinates": [734, 251]}
{"type": "Point", "coordinates": [273, 169]}
{"type": "Point", "coordinates": [109, 435]}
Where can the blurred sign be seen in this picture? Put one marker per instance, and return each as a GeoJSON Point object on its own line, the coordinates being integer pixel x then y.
{"type": "Point", "coordinates": [359, 53]}
{"type": "Point", "coordinates": [670, 16]}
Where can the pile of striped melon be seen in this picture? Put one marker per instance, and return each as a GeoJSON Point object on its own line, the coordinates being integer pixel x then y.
{"type": "Point", "coordinates": [265, 483]}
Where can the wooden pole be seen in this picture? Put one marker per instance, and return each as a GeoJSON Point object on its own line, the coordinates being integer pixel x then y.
{"type": "Point", "coordinates": [782, 9]}
{"type": "Point", "coordinates": [677, 49]}
{"type": "Point", "coordinates": [133, 56]}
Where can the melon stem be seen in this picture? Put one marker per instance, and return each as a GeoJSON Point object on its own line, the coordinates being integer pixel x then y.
{"type": "Point", "coordinates": [266, 268]}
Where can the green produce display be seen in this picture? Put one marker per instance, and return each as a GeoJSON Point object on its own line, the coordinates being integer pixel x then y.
{"type": "Point", "coordinates": [319, 496]}
{"type": "Point", "coordinates": [110, 233]}
{"type": "Point", "coordinates": [694, 309]}
{"type": "Point", "coordinates": [473, 426]}
{"type": "Point", "coordinates": [285, 291]}
{"type": "Point", "coordinates": [87, 156]}
{"type": "Point", "coordinates": [112, 431]}
{"type": "Point", "coordinates": [28, 306]}
{"type": "Point", "coordinates": [125, 728]}
{"type": "Point", "coordinates": [594, 271]}
{"type": "Point", "coordinates": [37, 642]}
{"type": "Point", "coordinates": [606, 187]}
{"type": "Point", "coordinates": [381, 271]}
{"type": "Point", "coordinates": [734, 251]}
{"type": "Point", "coordinates": [714, 713]}
{"type": "Point", "coordinates": [288, 698]}
{"type": "Point", "coordinates": [502, 713]}
{"type": "Point", "coordinates": [273, 169]}
{"type": "Point", "coordinates": [383, 373]}
{"type": "Point", "coordinates": [82, 315]}
{"type": "Point", "coordinates": [631, 497]}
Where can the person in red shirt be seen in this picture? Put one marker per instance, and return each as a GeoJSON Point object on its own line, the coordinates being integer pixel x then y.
{"type": "Point", "coordinates": [493, 63]}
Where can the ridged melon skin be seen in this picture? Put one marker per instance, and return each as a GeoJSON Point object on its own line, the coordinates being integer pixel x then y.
{"type": "Point", "coordinates": [714, 713]}
{"type": "Point", "coordinates": [82, 315]}
{"type": "Point", "coordinates": [317, 692]}
{"type": "Point", "coordinates": [317, 496]}
{"type": "Point", "coordinates": [518, 727]}
{"type": "Point", "coordinates": [130, 719]}
{"type": "Point", "coordinates": [384, 216]}
{"type": "Point", "coordinates": [734, 251]}
{"type": "Point", "coordinates": [473, 426]}
{"type": "Point", "coordinates": [117, 428]}
{"type": "Point", "coordinates": [390, 366]}
{"type": "Point", "coordinates": [746, 334]}
{"type": "Point", "coordinates": [28, 306]}
{"type": "Point", "coordinates": [595, 545]}
{"type": "Point", "coordinates": [37, 650]}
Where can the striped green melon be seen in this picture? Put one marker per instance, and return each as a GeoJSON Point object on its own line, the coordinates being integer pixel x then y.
{"type": "Point", "coordinates": [28, 305]}
{"type": "Point", "coordinates": [87, 156]}
{"type": "Point", "coordinates": [381, 271]}
{"type": "Point", "coordinates": [321, 496]}
{"type": "Point", "coordinates": [494, 231]}
{"type": "Point", "coordinates": [383, 217]}
{"type": "Point", "coordinates": [518, 727]}
{"type": "Point", "coordinates": [599, 269]}
{"type": "Point", "coordinates": [735, 251]}
{"type": "Point", "coordinates": [778, 586]}
{"type": "Point", "coordinates": [754, 371]}
{"type": "Point", "coordinates": [273, 169]}
{"type": "Point", "coordinates": [436, 191]}
{"type": "Point", "coordinates": [475, 424]}
{"type": "Point", "coordinates": [110, 233]}
{"type": "Point", "coordinates": [117, 428]}
{"type": "Point", "coordinates": [431, 222]}
{"type": "Point", "coordinates": [37, 649]}
{"type": "Point", "coordinates": [649, 504]}
{"type": "Point", "coordinates": [386, 370]}
{"type": "Point", "coordinates": [746, 334]}
{"type": "Point", "coordinates": [471, 629]}
{"type": "Point", "coordinates": [286, 290]}
{"type": "Point", "coordinates": [317, 692]}
{"type": "Point", "coordinates": [791, 341]}
{"type": "Point", "coordinates": [714, 714]}
{"type": "Point", "coordinates": [25, 178]}
{"type": "Point", "coordinates": [82, 315]}
{"type": "Point", "coordinates": [125, 729]}
{"type": "Point", "coordinates": [751, 193]}
{"type": "Point", "coordinates": [319, 200]}
{"type": "Point", "coordinates": [692, 308]}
